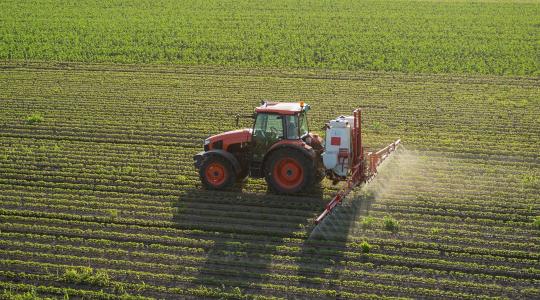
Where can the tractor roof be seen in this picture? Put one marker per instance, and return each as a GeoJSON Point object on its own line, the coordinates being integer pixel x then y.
{"type": "Point", "coordinates": [282, 108]}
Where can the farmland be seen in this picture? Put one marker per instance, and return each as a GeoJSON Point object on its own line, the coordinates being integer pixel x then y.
{"type": "Point", "coordinates": [484, 37]}
{"type": "Point", "coordinates": [105, 179]}
{"type": "Point", "coordinates": [101, 111]}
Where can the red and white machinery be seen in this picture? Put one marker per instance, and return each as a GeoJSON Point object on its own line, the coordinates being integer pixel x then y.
{"type": "Point", "coordinates": [280, 148]}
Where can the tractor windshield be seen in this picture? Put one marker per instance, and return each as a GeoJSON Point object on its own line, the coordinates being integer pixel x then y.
{"type": "Point", "coordinates": [296, 126]}
{"type": "Point", "coordinates": [268, 126]}
{"type": "Point", "coordinates": [303, 124]}
{"type": "Point", "coordinates": [292, 127]}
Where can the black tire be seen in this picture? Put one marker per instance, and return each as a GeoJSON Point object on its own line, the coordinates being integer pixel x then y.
{"type": "Point", "coordinates": [217, 173]}
{"type": "Point", "coordinates": [296, 171]}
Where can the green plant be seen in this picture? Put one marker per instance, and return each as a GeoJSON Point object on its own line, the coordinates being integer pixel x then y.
{"type": "Point", "coordinates": [237, 292]}
{"type": "Point", "coordinates": [71, 276]}
{"type": "Point", "coordinates": [34, 118]}
{"type": "Point", "coordinates": [127, 170]}
{"type": "Point", "coordinates": [367, 222]}
{"type": "Point", "coordinates": [390, 224]}
{"type": "Point", "coordinates": [530, 181]}
{"type": "Point", "coordinates": [365, 246]}
{"type": "Point", "coordinates": [86, 275]}
{"type": "Point", "coordinates": [29, 295]}
{"type": "Point", "coordinates": [113, 213]}
{"type": "Point", "coordinates": [536, 222]}
{"type": "Point", "coordinates": [182, 178]}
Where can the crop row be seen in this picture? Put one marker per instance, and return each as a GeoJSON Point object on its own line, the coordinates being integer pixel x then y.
{"type": "Point", "coordinates": [252, 218]}
{"type": "Point", "coordinates": [517, 149]}
{"type": "Point", "coordinates": [228, 253]}
{"type": "Point", "coordinates": [199, 206]}
{"type": "Point", "coordinates": [168, 259]}
{"type": "Point", "coordinates": [52, 152]}
{"type": "Point", "coordinates": [118, 168]}
{"type": "Point", "coordinates": [116, 231]}
{"type": "Point", "coordinates": [388, 256]}
{"type": "Point", "coordinates": [56, 286]}
{"type": "Point", "coordinates": [229, 277]}
{"type": "Point", "coordinates": [90, 167]}
{"type": "Point", "coordinates": [157, 131]}
{"type": "Point", "coordinates": [134, 183]}
{"type": "Point", "coordinates": [233, 225]}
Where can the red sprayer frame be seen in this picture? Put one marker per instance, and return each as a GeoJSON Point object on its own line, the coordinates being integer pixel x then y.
{"type": "Point", "coordinates": [361, 172]}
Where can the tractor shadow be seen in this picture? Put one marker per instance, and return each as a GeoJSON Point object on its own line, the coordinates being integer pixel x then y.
{"type": "Point", "coordinates": [324, 251]}
{"type": "Point", "coordinates": [248, 234]}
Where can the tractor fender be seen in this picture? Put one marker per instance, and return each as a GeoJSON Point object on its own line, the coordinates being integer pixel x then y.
{"type": "Point", "coordinates": [295, 146]}
{"type": "Point", "coordinates": [199, 157]}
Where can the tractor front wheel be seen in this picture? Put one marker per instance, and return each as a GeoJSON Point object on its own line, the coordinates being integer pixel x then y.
{"type": "Point", "coordinates": [289, 171]}
{"type": "Point", "coordinates": [217, 173]}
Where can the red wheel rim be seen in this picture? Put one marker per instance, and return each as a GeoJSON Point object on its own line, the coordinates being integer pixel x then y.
{"type": "Point", "coordinates": [288, 173]}
{"type": "Point", "coordinates": [215, 174]}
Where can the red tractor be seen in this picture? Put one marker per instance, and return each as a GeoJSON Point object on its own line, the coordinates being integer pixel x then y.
{"type": "Point", "coordinates": [281, 149]}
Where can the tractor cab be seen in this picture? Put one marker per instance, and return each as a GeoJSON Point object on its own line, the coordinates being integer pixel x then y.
{"type": "Point", "coordinates": [276, 122]}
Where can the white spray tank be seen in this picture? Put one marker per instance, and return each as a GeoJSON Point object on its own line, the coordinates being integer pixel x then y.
{"type": "Point", "coordinates": [338, 152]}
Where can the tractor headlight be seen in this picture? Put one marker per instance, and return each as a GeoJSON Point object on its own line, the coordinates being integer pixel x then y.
{"type": "Point", "coordinates": [206, 142]}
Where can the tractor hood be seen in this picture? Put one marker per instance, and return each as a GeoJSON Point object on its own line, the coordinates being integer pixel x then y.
{"type": "Point", "coordinates": [223, 140]}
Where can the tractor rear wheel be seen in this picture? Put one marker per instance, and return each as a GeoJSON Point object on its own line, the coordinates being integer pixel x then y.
{"type": "Point", "coordinates": [289, 171]}
{"type": "Point", "coordinates": [217, 173]}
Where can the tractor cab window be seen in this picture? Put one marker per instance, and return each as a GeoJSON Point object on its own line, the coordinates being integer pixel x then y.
{"type": "Point", "coordinates": [268, 127]}
{"type": "Point", "coordinates": [268, 130]}
{"type": "Point", "coordinates": [303, 124]}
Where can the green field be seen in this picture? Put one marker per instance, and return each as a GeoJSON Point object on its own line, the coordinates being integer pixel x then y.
{"type": "Point", "coordinates": [485, 37]}
{"type": "Point", "coordinates": [101, 111]}
{"type": "Point", "coordinates": [106, 180]}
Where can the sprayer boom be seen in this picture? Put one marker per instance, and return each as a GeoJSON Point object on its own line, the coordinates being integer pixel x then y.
{"type": "Point", "coordinates": [363, 171]}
